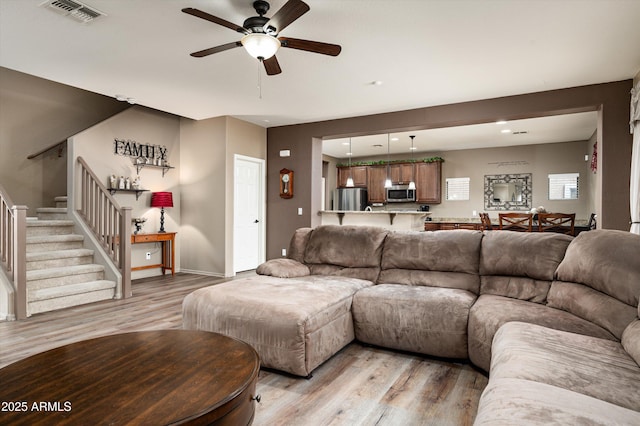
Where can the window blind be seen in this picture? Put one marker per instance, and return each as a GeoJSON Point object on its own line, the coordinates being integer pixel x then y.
{"type": "Point", "coordinates": [563, 186]}
{"type": "Point", "coordinates": [458, 189]}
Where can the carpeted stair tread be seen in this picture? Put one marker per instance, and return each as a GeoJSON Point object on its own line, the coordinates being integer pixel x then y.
{"type": "Point", "coordinates": [71, 289]}
{"type": "Point", "coordinates": [40, 274]}
{"type": "Point", "coordinates": [40, 239]}
{"type": "Point", "coordinates": [56, 222]}
{"type": "Point", "coordinates": [51, 210]}
{"type": "Point", "coordinates": [58, 254]}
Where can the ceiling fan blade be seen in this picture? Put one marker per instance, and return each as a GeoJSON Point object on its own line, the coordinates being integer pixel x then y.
{"type": "Point", "coordinates": [272, 66]}
{"type": "Point", "coordinates": [311, 46]}
{"type": "Point", "coordinates": [292, 10]}
{"type": "Point", "coordinates": [208, 17]}
{"type": "Point", "coordinates": [212, 50]}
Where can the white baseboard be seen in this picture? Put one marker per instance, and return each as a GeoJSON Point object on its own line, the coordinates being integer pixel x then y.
{"type": "Point", "coordinates": [210, 274]}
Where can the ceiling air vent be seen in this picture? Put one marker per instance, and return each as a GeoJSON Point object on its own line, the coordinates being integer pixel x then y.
{"type": "Point", "coordinates": [74, 9]}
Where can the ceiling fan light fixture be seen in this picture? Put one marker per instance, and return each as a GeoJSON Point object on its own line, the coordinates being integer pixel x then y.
{"type": "Point", "coordinates": [260, 46]}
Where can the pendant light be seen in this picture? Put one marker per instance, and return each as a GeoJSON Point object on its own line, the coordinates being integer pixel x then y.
{"type": "Point", "coordinates": [412, 184]}
{"type": "Point", "coordinates": [387, 182]}
{"type": "Point", "coordinates": [350, 178]}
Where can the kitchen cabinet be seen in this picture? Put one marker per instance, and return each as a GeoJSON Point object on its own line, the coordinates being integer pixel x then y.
{"type": "Point", "coordinates": [449, 226]}
{"type": "Point", "coordinates": [401, 174]}
{"type": "Point", "coordinates": [375, 184]}
{"type": "Point", "coordinates": [358, 173]}
{"type": "Point", "coordinates": [428, 182]}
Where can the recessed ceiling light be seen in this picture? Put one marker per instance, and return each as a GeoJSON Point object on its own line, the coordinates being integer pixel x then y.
{"type": "Point", "coordinates": [349, 154]}
{"type": "Point", "coordinates": [345, 143]}
{"type": "Point", "coordinates": [376, 83]}
{"type": "Point", "coordinates": [413, 148]}
{"type": "Point", "coordinates": [501, 122]}
{"type": "Point", "coordinates": [505, 131]}
{"type": "Point", "coordinates": [394, 139]}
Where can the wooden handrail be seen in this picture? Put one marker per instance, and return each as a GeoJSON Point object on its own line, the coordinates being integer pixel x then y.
{"type": "Point", "coordinates": [13, 249]}
{"type": "Point", "coordinates": [109, 223]}
{"type": "Point", "coordinates": [49, 148]}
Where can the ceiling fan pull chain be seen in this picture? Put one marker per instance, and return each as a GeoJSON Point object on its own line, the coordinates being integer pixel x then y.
{"type": "Point", "coordinates": [259, 79]}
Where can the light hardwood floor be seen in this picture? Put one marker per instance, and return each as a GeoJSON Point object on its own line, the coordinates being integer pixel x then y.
{"type": "Point", "coordinates": [360, 385]}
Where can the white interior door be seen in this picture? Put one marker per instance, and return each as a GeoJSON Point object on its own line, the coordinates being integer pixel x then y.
{"type": "Point", "coordinates": [248, 217]}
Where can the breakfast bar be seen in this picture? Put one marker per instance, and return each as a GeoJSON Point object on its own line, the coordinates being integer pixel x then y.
{"type": "Point", "coordinates": [388, 219]}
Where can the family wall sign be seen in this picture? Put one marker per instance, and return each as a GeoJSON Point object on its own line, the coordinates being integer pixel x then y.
{"type": "Point", "coordinates": [131, 148]}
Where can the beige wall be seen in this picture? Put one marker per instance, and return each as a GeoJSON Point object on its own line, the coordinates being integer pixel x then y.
{"type": "Point", "coordinates": [539, 160]}
{"type": "Point", "coordinates": [34, 114]}
{"type": "Point", "coordinates": [145, 126]}
{"type": "Point", "coordinates": [611, 100]}
{"type": "Point", "coordinates": [207, 151]}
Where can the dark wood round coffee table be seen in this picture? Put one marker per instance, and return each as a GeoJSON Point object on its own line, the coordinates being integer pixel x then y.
{"type": "Point", "coordinates": [147, 378]}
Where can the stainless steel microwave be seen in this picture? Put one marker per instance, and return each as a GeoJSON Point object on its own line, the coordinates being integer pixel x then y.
{"type": "Point", "coordinates": [401, 194]}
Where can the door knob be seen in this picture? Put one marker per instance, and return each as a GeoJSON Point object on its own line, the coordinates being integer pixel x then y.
{"type": "Point", "coordinates": [256, 221]}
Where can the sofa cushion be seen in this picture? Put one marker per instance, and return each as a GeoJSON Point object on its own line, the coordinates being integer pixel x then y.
{"type": "Point", "coordinates": [427, 320]}
{"type": "Point", "coordinates": [284, 268]}
{"type": "Point", "coordinates": [595, 367]}
{"type": "Point", "coordinates": [346, 246]}
{"type": "Point", "coordinates": [369, 274]}
{"type": "Point", "coordinates": [631, 340]}
{"type": "Point", "coordinates": [523, 402]}
{"type": "Point", "coordinates": [437, 259]}
{"type": "Point", "coordinates": [592, 305]}
{"type": "Point", "coordinates": [520, 265]}
{"type": "Point", "coordinates": [298, 244]}
{"type": "Point", "coordinates": [607, 261]}
{"type": "Point", "coordinates": [490, 312]}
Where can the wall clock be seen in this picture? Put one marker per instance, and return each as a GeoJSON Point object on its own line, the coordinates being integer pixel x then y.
{"type": "Point", "coordinates": [286, 183]}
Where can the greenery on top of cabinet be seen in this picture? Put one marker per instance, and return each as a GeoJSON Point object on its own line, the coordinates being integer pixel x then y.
{"type": "Point", "coordinates": [385, 162]}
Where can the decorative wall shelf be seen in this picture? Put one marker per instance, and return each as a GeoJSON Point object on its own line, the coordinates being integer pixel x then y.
{"type": "Point", "coordinates": [140, 166]}
{"type": "Point", "coordinates": [137, 191]}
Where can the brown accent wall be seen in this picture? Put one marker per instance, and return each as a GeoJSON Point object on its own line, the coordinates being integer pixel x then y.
{"type": "Point", "coordinates": [611, 100]}
{"type": "Point", "coordinates": [34, 114]}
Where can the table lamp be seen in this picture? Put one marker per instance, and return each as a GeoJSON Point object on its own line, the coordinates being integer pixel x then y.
{"type": "Point", "coordinates": [162, 200]}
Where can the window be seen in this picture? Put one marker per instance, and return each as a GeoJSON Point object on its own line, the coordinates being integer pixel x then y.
{"type": "Point", "coordinates": [563, 186]}
{"type": "Point", "coordinates": [457, 189]}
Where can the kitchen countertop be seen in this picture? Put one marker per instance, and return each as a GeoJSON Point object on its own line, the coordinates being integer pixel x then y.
{"type": "Point", "coordinates": [404, 219]}
{"type": "Point", "coordinates": [375, 212]}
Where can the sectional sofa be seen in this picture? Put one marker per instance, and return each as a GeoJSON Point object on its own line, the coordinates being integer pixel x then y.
{"type": "Point", "coordinates": [553, 319]}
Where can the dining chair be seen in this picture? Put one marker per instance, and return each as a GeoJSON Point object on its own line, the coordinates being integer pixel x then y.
{"type": "Point", "coordinates": [563, 223]}
{"type": "Point", "coordinates": [522, 222]}
{"type": "Point", "coordinates": [593, 222]}
{"type": "Point", "coordinates": [486, 221]}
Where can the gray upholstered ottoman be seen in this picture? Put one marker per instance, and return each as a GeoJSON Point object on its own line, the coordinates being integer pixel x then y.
{"type": "Point", "coordinates": [295, 324]}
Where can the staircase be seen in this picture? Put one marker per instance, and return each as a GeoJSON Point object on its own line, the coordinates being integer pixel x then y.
{"type": "Point", "coordinates": [60, 272]}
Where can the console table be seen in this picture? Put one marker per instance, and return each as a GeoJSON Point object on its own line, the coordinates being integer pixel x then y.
{"type": "Point", "coordinates": [167, 239]}
{"type": "Point", "coordinates": [146, 378]}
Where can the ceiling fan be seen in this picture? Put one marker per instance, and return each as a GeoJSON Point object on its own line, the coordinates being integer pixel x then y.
{"type": "Point", "coordinates": [261, 39]}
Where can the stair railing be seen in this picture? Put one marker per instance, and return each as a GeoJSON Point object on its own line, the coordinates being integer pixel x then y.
{"type": "Point", "coordinates": [13, 249]}
{"type": "Point", "coordinates": [109, 223]}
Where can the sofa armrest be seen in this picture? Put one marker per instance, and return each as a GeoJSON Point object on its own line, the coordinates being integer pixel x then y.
{"type": "Point", "coordinates": [283, 268]}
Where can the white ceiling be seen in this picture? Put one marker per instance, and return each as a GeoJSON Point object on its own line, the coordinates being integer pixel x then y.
{"type": "Point", "coordinates": [425, 53]}
{"type": "Point", "coordinates": [531, 131]}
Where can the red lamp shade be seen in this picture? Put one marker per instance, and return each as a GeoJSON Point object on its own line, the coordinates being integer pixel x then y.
{"type": "Point", "coordinates": [161, 199]}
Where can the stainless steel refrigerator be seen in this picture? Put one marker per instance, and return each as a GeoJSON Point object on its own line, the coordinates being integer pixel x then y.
{"type": "Point", "coordinates": [350, 199]}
